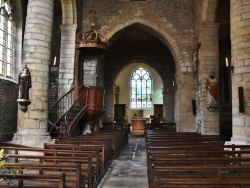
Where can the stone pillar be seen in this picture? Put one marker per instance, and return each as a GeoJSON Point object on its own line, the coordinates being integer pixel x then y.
{"type": "Point", "coordinates": [108, 116]}
{"type": "Point", "coordinates": [168, 104]}
{"type": "Point", "coordinates": [185, 120]}
{"type": "Point", "coordinates": [240, 42]}
{"type": "Point", "coordinates": [208, 61]}
{"type": "Point", "coordinates": [32, 125]}
{"type": "Point", "coordinates": [67, 58]}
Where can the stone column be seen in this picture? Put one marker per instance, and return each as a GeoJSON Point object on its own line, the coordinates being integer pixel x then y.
{"type": "Point", "coordinates": [32, 125]}
{"type": "Point", "coordinates": [67, 58]}
{"type": "Point", "coordinates": [185, 120]}
{"type": "Point", "coordinates": [208, 61]}
{"type": "Point", "coordinates": [240, 42]}
{"type": "Point", "coordinates": [168, 104]}
{"type": "Point", "coordinates": [108, 115]}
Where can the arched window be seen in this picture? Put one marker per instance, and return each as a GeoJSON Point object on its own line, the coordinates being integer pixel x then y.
{"type": "Point", "coordinates": [6, 40]}
{"type": "Point", "coordinates": [141, 89]}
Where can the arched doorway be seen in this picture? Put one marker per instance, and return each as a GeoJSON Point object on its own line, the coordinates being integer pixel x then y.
{"type": "Point", "coordinates": [136, 44]}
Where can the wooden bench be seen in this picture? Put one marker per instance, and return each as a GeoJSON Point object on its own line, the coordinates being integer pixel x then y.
{"type": "Point", "coordinates": [19, 156]}
{"type": "Point", "coordinates": [73, 176]}
{"type": "Point", "coordinates": [170, 127]}
{"type": "Point", "coordinates": [115, 142]}
{"type": "Point", "coordinates": [100, 165]}
{"type": "Point", "coordinates": [200, 175]}
{"type": "Point", "coordinates": [116, 126]}
{"type": "Point", "coordinates": [35, 180]}
{"type": "Point", "coordinates": [91, 151]}
{"type": "Point", "coordinates": [189, 160]}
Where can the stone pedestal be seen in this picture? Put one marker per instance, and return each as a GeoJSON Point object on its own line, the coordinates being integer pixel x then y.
{"type": "Point", "coordinates": [33, 140]}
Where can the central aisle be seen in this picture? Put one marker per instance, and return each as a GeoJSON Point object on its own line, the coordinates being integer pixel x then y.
{"type": "Point", "coordinates": [130, 168]}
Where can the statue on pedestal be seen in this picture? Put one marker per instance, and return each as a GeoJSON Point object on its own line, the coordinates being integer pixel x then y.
{"type": "Point", "coordinates": [211, 86]}
{"type": "Point", "coordinates": [24, 82]}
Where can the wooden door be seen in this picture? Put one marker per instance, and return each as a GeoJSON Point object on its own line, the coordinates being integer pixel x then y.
{"type": "Point", "coordinates": [158, 112]}
{"type": "Point", "coordinates": [120, 112]}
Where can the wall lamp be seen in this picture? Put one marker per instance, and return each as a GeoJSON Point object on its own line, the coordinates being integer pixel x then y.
{"type": "Point", "coordinates": [230, 67]}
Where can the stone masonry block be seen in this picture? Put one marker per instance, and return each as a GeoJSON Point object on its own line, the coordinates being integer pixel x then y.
{"type": "Point", "coordinates": [241, 132]}
{"type": "Point", "coordinates": [37, 115]}
{"type": "Point", "coordinates": [27, 123]}
{"type": "Point", "coordinates": [238, 121]}
{"type": "Point", "coordinates": [37, 43]}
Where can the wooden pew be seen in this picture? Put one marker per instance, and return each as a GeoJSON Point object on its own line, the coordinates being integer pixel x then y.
{"type": "Point", "coordinates": [73, 176]}
{"type": "Point", "coordinates": [189, 160]}
{"type": "Point", "coordinates": [35, 180]}
{"type": "Point", "coordinates": [36, 156]}
{"type": "Point", "coordinates": [103, 146]}
{"type": "Point", "coordinates": [100, 166]}
{"type": "Point", "coordinates": [170, 127]}
{"type": "Point", "coordinates": [115, 126]}
{"type": "Point", "coordinates": [97, 146]}
{"type": "Point", "coordinates": [200, 175]}
{"type": "Point", "coordinates": [118, 140]}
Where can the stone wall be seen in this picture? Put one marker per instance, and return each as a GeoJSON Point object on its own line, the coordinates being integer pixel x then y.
{"type": "Point", "coordinates": [172, 22]}
{"type": "Point", "coordinates": [240, 40]}
{"type": "Point", "coordinates": [8, 110]}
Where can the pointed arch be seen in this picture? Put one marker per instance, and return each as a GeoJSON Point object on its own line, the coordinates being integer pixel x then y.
{"type": "Point", "coordinates": [209, 8]}
{"type": "Point", "coordinates": [155, 30]}
{"type": "Point", "coordinates": [69, 12]}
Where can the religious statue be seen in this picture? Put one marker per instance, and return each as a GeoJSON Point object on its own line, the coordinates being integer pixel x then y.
{"type": "Point", "coordinates": [8, 8]}
{"type": "Point", "coordinates": [24, 82]}
{"type": "Point", "coordinates": [211, 86]}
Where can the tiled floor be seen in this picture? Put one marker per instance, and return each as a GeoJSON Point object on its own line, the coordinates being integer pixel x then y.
{"type": "Point", "coordinates": [129, 170]}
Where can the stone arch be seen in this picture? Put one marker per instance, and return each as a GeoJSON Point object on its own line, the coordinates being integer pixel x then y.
{"type": "Point", "coordinates": [157, 31]}
{"type": "Point", "coordinates": [69, 12]}
{"type": "Point", "coordinates": [209, 8]}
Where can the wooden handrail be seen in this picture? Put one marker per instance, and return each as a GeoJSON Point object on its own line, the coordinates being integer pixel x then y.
{"type": "Point", "coordinates": [67, 96]}
{"type": "Point", "coordinates": [84, 97]}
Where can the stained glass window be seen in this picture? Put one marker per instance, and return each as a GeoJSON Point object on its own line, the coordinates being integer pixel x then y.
{"type": "Point", "coordinates": [6, 40]}
{"type": "Point", "coordinates": [141, 89]}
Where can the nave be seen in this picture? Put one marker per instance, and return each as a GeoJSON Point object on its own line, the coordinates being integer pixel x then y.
{"type": "Point", "coordinates": [130, 168]}
{"type": "Point", "coordinates": [159, 158]}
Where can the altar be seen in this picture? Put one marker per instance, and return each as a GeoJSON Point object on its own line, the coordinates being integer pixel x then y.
{"type": "Point", "coordinates": [138, 124]}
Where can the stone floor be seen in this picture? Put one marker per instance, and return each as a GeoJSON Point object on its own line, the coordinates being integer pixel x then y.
{"type": "Point", "coordinates": [130, 168]}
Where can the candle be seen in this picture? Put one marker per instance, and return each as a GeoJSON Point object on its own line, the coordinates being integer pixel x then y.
{"type": "Point", "coordinates": [55, 60]}
{"type": "Point", "coordinates": [173, 83]}
{"type": "Point", "coordinates": [226, 62]}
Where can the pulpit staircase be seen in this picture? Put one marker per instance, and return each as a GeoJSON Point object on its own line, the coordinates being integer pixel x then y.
{"type": "Point", "coordinates": [66, 113]}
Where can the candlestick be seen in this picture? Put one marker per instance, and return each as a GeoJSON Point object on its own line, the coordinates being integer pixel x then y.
{"type": "Point", "coordinates": [55, 60]}
{"type": "Point", "coordinates": [226, 62]}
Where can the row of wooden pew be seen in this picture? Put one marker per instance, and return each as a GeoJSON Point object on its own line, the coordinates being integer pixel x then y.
{"type": "Point", "coordinates": [73, 162]}
{"type": "Point", "coordinates": [176, 159]}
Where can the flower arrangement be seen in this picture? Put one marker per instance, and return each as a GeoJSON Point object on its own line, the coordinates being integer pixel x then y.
{"type": "Point", "coordinates": [2, 156]}
{"type": "Point", "coordinates": [5, 170]}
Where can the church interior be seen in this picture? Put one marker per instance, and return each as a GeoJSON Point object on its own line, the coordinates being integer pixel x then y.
{"type": "Point", "coordinates": [128, 79]}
